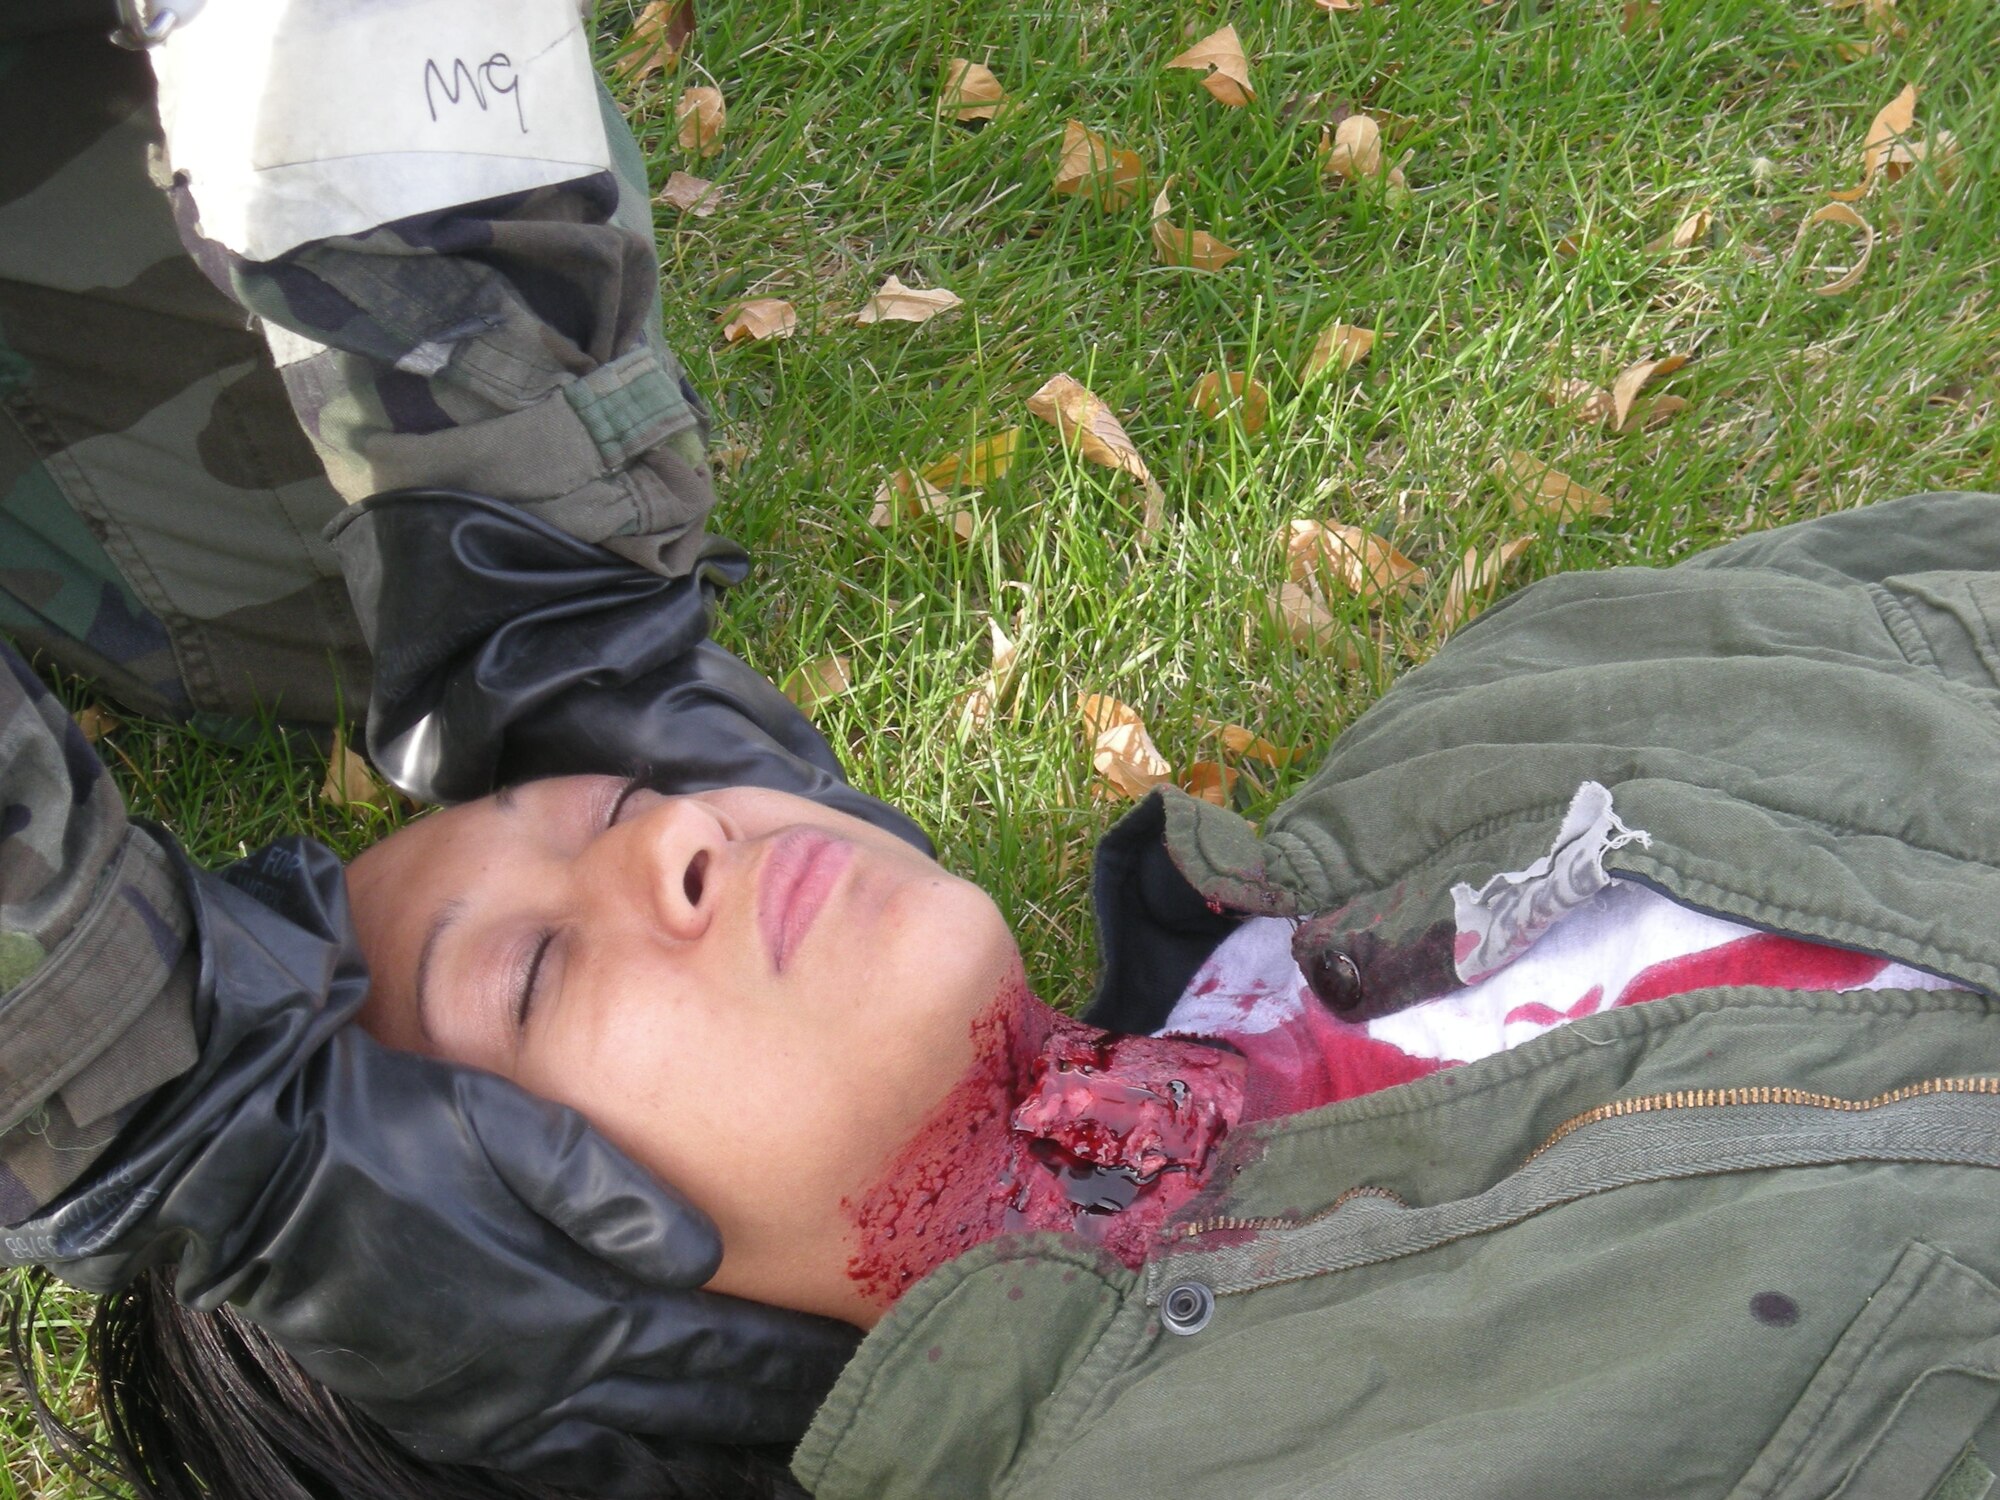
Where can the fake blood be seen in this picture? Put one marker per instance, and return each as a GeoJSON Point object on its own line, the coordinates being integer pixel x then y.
{"type": "Point", "coordinates": [1055, 1126]}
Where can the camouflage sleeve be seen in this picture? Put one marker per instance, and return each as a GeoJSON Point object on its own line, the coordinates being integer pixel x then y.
{"type": "Point", "coordinates": [97, 966]}
{"type": "Point", "coordinates": [510, 347]}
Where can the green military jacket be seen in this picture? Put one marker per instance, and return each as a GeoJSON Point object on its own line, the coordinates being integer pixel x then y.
{"type": "Point", "coordinates": [1736, 1242]}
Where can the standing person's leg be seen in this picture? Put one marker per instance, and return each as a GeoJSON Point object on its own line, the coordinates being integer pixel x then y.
{"type": "Point", "coordinates": [160, 510]}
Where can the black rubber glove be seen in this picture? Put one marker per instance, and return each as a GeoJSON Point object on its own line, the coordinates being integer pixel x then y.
{"type": "Point", "coordinates": [478, 1269]}
{"type": "Point", "coordinates": [506, 649]}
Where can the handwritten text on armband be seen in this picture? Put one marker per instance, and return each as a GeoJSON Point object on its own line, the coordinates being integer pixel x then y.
{"type": "Point", "coordinates": [496, 75]}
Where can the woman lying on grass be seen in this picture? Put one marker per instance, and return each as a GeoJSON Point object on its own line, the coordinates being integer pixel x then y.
{"type": "Point", "coordinates": [1587, 1085]}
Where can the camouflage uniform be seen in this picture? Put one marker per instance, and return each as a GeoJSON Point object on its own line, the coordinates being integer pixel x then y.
{"type": "Point", "coordinates": [167, 463]}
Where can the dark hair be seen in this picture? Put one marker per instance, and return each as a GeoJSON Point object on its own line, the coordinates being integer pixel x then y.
{"type": "Point", "coordinates": [204, 1406]}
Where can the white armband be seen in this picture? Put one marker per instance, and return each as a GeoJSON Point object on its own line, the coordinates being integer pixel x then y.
{"type": "Point", "coordinates": [295, 120]}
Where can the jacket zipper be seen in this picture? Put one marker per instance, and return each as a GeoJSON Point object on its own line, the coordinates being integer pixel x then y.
{"type": "Point", "coordinates": [1722, 1098]}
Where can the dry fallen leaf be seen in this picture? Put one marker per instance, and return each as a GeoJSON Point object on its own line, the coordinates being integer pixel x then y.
{"type": "Point", "coordinates": [350, 779]}
{"type": "Point", "coordinates": [1840, 213]}
{"type": "Point", "coordinates": [992, 694]}
{"type": "Point", "coordinates": [1536, 489]}
{"type": "Point", "coordinates": [1338, 4]}
{"type": "Point", "coordinates": [1249, 400]}
{"type": "Point", "coordinates": [95, 722]}
{"type": "Point", "coordinates": [904, 496]}
{"type": "Point", "coordinates": [1588, 402]}
{"type": "Point", "coordinates": [760, 318]}
{"type": "Point", "coordinates": [1085, 420]}
{"type": "Point", "coordinates": [977, 464]}
{"type": "Point", "coordinates": [657, 39]}
{"type": "Point", "coordinates": [1186, 247]}
{"type": "Point", "coordinates": [700, 114]}
{"type": "Point", "coordinates": [1474, 580]}
{"type": "Point", "coordinates": [1340, 346]}
{"type": "Point", "coordinates": [1897, 118]}
{"type": "Point", "coordinates": [1686, 235]}
{"type": "Point", "coordinates": [818, 680]}
{"type": "Point", "coordinates": [1226, 71]}
{"type": "Point", "coordinates": [896, 303]}
{"type": "Point", "coordinates": [1253, 746]}
{"type": "Point", "coordinates": [1618, 408]}
{"type": "Point", "coordinates": [1121, 750]}
{"type": "Point", "coordinates": [1305, 618]}
{"type": "Point", "coordinates": [1364, 564]}
{"type": "Point", "coordinates": [1209, 781]}
{"type": "Point", "coordinates": [1093, 168]}
{"type": "Point", "coordinates": [1639, 17]}
{"type": "Point", "coordinates": [694, 195]}
{"type": "Point", "coordinates": [728, 457]}
{"type": "Point", "coordinates": [971, 92]}
{"type": "Point", "coordinates": [1355, 149]}
{"type": "Point", "coordinates": [1633, 379]}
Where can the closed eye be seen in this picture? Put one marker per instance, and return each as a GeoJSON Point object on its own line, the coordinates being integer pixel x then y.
{"type": "Point", "coordinates": [524, 1001]}
{"type": "Point", "coordinates": [624, 795]}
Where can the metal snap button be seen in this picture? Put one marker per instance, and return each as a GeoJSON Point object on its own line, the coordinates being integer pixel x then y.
{"type": "Point", "coordinates": [1187, 1307]}
{"type": "Point", "coordinates": [1336, 979]}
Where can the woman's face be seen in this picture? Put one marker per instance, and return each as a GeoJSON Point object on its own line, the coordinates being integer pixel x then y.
{"type": "Point", "coordinates": [758, 999]}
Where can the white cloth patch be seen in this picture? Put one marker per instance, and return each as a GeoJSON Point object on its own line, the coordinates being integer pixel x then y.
{"type": "Point", "coordinates": [296, 120]}
{"type": "Point", "coordinates": [1498, 922]}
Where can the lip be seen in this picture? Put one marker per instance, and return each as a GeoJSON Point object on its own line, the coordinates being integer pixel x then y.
{"type": "Point", "coordinates": [798, 875]}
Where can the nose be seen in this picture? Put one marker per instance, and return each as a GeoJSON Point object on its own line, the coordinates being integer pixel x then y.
{"type": "Point", "coordinates": [666, 862]}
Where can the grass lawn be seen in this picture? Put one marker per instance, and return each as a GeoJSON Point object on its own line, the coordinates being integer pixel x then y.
{"type": "Point", "coordinates": [1544, 147]}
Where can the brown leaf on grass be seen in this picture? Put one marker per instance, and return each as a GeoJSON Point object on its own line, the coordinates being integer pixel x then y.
{"type": "Point", "coordinates": [1091, 167]}
{"type": "Point", "coordinates": [1840, 213]}
{"type": "Point", "coordinates": [1570, 246]}
{"type": "Point", "coordinates": [1640, 17]}
{"type": "Point", "coordinates": [1331, 5]}
{"type": "Point", "coordinates": [694, 195]}
{"type": "Point", "coordinates": [657, 38]}
{"type": "Point", "coordinates": [1473, 581]}
{"type": "Point", "coordinates": [700, 114]}
{"type": "Point", "coordinates": [1355, 148]}
{"type": "Point", "coordinates": [1593, 406]}
{"type": "Point", "coordinates": [970, 92]}
{"type": "Point", "coordinates": [1083, 419]}
{"type": "Point", "coordinates": [1304, 617]}
{"type": "Point", "coordinates": [1686, 235]}
{"type": "Point", "coordinates": [1536, 489]}
{"type": "Point", "coordinates": [1896, 119]}
{"type": "Point", "coordinates": [904, 496]}
{"type": "Point", "coordinates": [1585, 400]}
{"type": "Point", "coordinates": [1653, 411]}
{"type": "Point", "coordinates": [1174, 246]}
{"type": "Point", "coordinates": [1634, 379]}
{"type": "Point", "coordinates": [1243, 396]}
{"type": "Point", "coordinates": [1210, 781]}
{"type": "Point", "coordinates": [760, 318]}
{"type": "Point", "coordinates": [1354, 151]}
{"type": "Point", "coordinates": [896, 303]}
{"type": "Point", "coordinates": [1340, 346]}
{"type": "Point", "coordinates": [1253, 746]}
{"type": "Point", "coordinates": [992, 694]}
{"type": "Point", "coordinates": [1360, 561]}
{"type": "Point", "coordinates": [95, 723]}
{"type": "Point", "coordinates": [976, 464]}
{"type": "Point", "coordinates": [822, 678]}
{"type": "Point", "coordinates": [1121, 750]}
{"type": "Point", "coordinates": [350, 779]}
{"type": "Point", "coordinates": [1225, 70]}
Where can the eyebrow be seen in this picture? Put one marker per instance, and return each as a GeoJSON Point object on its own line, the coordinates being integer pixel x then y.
{"type": "Point", "coordinates": [449, 915]}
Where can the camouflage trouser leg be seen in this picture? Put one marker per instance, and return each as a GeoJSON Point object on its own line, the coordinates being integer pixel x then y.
{"type": "Point", "coordinates": [160, 508]}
